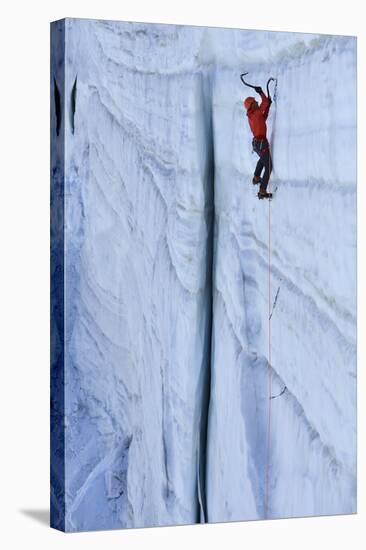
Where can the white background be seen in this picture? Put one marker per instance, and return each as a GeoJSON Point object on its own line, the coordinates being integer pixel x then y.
{"type": "Point", "coordinates": [24, 285]}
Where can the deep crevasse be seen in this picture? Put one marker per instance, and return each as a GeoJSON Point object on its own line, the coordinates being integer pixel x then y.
{"type": "Point", "coordinates": [138, 242]}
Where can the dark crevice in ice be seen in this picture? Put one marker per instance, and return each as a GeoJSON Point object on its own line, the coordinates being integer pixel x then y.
{"type": "Point", "coordinates": [57, 99]}
{"type": "Point", "coordinates": [207, 77]}
{"type": "Point", "coordinates": [73, 106]}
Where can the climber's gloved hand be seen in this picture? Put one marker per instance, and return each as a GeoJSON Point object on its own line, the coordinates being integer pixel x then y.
{"type": "Point", "coordinates": [258, 89]}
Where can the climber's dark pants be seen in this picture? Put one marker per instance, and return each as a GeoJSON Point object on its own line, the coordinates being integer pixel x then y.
{"type": "Point", "coordinates": [261, 147]}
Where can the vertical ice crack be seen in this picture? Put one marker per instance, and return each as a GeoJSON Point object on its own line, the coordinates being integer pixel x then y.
{"type": "Point", "coordinates": [207, 78]}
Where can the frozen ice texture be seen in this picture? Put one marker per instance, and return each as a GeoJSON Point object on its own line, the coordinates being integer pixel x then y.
{"type": "Point", "coordinates": [166, 269]}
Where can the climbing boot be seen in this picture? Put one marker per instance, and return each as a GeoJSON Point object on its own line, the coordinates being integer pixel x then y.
{"type": "Point", "coordinates": [264, 195]}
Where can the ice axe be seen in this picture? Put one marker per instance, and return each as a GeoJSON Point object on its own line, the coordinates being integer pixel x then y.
{"type": "Point", "coordinates": [252, 86]}
{"type": "Point", "coordinates": [246, 83]}
{"type": "Point", "coordinates": [268, 93]}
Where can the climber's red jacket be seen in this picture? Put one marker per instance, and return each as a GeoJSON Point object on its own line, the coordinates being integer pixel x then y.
{"type": "Point", "coordinates": [257, 118]}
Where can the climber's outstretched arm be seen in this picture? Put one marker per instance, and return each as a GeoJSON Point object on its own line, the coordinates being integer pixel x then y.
{"type": "Point", "coordinates": [265, 103]}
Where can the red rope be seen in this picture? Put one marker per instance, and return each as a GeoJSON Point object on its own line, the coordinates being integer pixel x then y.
{"type": "Point", "coordinates": [266, 495]}
{"type": "Point", "coordinates": [267, 480]}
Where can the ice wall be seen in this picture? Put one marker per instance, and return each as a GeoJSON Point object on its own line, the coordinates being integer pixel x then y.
{"type": "Point", "coordinates": [292, 261]}
{"type": "Point", "coordinates": [157, 173]}
{"type": "Point", "coordinates": [138, 208]}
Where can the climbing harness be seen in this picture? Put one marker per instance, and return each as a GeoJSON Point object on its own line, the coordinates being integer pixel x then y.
{"type": "Point", "coordinates": [259, 146]}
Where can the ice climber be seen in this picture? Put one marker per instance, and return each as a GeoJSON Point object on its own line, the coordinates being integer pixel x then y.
{"type": "Point", "coordinates": [257, 116]}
